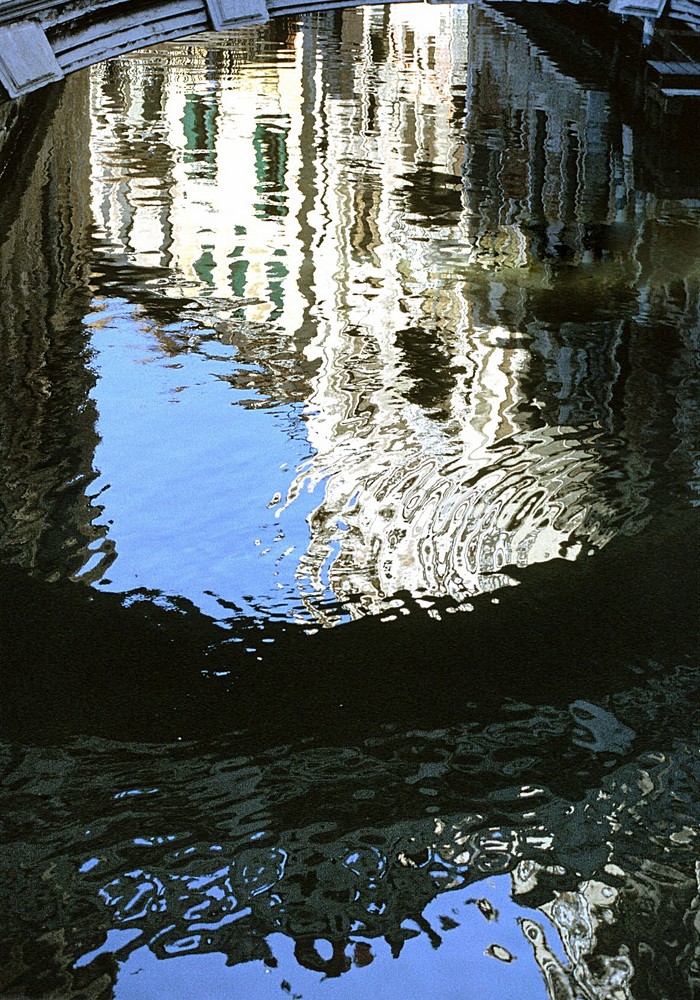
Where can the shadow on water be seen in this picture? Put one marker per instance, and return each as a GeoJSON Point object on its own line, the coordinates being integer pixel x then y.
{"type": "Point", "coordinates": [498, 783]}
{"type": "Point", "coordinates": [487, 781]}
{"type": "Point", "coordinates": [79, 662]}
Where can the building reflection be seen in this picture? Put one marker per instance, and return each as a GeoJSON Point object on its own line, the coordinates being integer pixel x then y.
{"type": "Point", "coordinates": [471, 352]}
{"type": "Point", "coordinates": [435, 243]}
{"type": "Point", "coordinates": [191, 167]}
{"type": "Point", "coordinates": [446, 264]}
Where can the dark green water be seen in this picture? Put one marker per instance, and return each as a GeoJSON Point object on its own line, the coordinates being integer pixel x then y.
{"type": "Point", "coordinates": [348, 542]}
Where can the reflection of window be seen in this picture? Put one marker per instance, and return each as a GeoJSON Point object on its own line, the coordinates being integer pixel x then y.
{"type": "Point", "coordinates": [270, 144]}
{"type": "Point", "coordinates": [238, 269]}
{"type": "Point", "coordinates": [276, 273]}
{"type": "Point", "coordinates": [199, 126]}
{"type": "Point", "coordinates": [363, 231]}
{"type": "Point", "coordinates": [205, 267]}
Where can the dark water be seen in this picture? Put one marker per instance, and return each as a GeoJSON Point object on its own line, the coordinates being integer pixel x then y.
{"type": "Point", "coordinates": [348, 444]}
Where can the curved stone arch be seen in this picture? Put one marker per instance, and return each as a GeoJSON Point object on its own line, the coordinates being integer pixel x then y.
{"type": "Point", "coordinates": [42, 41]}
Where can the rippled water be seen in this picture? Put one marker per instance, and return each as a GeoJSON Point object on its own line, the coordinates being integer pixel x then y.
{"type": "Point", "coordinates": [348, 444]}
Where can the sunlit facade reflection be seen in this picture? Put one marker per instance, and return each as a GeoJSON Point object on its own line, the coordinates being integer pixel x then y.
{"type": "Point", "coordinates": [348, 215]}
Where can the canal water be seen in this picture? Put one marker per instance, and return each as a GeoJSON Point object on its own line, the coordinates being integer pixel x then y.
{"type": "Point", "coordinates": [348, 556]}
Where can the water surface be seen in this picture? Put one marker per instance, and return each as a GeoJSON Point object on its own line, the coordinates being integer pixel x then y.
{"type": "Point", "coordinates": [348, 423]}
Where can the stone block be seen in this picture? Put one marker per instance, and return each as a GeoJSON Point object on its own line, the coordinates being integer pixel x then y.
{"type": "Point", "coordinates": [234, 13]}
{"type": "Point", "coordinates": [27, 61]}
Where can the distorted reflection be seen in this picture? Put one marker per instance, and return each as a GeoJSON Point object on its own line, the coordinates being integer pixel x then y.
{"type": "Point", "coordinates": [351, 320]}
{"type": "Point", "coordinates": [435, 280]}
{"type": "Point", "coordinates": [334, 853]}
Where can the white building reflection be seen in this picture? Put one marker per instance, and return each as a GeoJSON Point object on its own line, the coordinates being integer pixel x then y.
{"type": "Point", "coordinates": [390, 199]}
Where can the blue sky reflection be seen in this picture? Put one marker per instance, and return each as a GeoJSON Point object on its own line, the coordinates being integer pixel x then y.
{"type": "Point", "coordinates": [187, 479]}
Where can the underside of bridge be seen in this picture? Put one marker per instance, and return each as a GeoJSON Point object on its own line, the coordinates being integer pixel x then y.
{"type": "Point", "coordinates": [42, 41]}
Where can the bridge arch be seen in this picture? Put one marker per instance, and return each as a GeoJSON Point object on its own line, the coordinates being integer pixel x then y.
{"type": "Point", "coordinates": [42, 41]}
